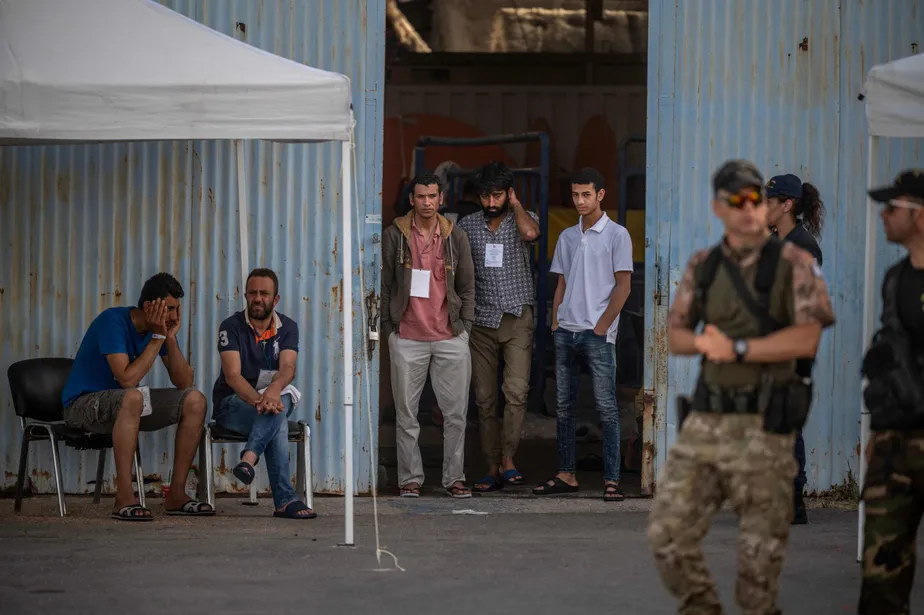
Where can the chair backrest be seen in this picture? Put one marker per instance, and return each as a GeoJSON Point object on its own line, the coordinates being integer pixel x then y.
{"type": "Point", "coordinates": [37, 385]}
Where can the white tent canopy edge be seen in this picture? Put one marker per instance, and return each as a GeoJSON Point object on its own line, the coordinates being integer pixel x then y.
{"type": "Point", "coordinates": [134, 70]}
{"type": "Point", "coordinates": [894, 95]}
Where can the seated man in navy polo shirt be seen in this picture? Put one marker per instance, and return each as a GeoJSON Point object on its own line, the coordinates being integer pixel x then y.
{"type": "Point", "coordinates": [102, 395]}
{"type": "Point", "coordinates": [253, 394]}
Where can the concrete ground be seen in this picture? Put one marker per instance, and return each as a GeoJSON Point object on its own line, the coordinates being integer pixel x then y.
{"type": "Point", "coordinates": [526, 555]}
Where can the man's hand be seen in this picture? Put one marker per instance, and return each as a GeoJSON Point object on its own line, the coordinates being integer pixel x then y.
{"type": "Point", "coordinates": [155, 312]}
{"type": "Point", "coordinates": [512, 198]}
{"type": "Point", "coordinates": [270, 402]}
{"type": "Point", "coordinates": [715, 345]}
{"type": "Point", "coordinates": [172, 331]}
{"type": "Point", "coordinates": [598, 332]}
{"type": "Point", "coordinates": [554, 324]}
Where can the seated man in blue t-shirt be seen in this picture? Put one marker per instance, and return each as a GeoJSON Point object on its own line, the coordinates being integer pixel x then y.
{"type": "Point", "coordinates": [102, 395]}
{"type": "Point", "coordinates": [253, 396]}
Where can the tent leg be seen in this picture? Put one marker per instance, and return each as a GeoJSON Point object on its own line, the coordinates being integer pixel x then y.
{"type": "Point", "coordinates": [244, 216]}
{"type": "Point", "coordinates": [347, 239]}
{"type": "Point", "coordinates": [869, 315]}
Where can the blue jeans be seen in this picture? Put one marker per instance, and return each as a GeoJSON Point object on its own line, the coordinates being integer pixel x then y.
{"type": "Point", "coordinates": [601, 359]}
{"type": "Point", "coordinates": [267, 436]}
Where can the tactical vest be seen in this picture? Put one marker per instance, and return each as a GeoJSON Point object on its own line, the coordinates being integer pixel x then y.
{"type": "Point", "coordinates": [718, 302]}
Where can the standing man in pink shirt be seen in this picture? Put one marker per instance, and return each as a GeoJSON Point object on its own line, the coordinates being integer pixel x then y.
{"type": "Point", "coordinates": [428, 307]}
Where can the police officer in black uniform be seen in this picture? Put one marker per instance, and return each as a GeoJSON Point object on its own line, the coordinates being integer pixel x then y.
{"type": "Point", "coordinates": [796, 213]}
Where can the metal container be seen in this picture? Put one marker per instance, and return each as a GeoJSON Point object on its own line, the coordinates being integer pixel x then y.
{"type": "Point", "coordinates": [85, 225]}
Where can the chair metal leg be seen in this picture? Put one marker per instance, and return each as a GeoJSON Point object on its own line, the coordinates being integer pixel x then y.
{"type": "Point", "coordinates": [303, 473]}
{"type": "Point", "coordinates": [209, 470]}
{"type": "Point", "coordinates": [21, 477]}
{"type": "Point", "coordinates": [139, 476]}
{"type": "Point", "coordinates": [56, 458]}
{"type": "Point", "coordinates": [253, 493]}
{"type": "Point", "coordinates": [201, 488]}
{"type": "Point", "coordinates": [100, 469]}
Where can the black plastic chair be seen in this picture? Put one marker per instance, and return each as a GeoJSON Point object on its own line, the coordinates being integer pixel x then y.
{"type": "Point", "coordinates": [37, 385]}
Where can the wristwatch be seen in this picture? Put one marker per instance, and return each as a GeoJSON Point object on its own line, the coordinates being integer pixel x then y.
{"type": "Point", "coordinates": [741, 349]}
{"type": "Point", "coordinates": [158, 336]}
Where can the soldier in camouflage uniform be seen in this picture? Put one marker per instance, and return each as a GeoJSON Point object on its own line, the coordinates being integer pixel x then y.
{"type": "Point", "coordinates": [893, 489]}
{"type": "Point", "coordinates": [728, 447]}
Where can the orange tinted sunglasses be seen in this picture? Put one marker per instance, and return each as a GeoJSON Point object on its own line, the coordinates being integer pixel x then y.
{"type": "Point", "coordinates": [737, 201]}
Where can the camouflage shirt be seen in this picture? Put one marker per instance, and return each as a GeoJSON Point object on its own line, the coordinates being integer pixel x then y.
{"type": "Point", "coordinates": [799, 296]}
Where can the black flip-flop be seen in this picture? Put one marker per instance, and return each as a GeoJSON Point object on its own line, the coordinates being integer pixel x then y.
{"type": "Point", "coordinates": [192, 508]}
{"type": "Point", "coordinates": [244, 472]}
{"type": "Point", "coordinates": [557, 487]}
{"type": "Point", "coordinates": [612, 493]}
{"type": "Point", "coordinates": [127, 513]}
{"type": "Point", "coordinates": [292, 509]}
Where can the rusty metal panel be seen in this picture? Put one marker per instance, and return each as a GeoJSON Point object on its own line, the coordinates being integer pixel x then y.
{"type": "Point", "coordinates": [776, 83]}
{"type": "Point", "coordinates": [85, 225]}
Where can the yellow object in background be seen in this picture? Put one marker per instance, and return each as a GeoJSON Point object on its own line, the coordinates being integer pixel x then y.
{"type": "Point", "coordinates": [561, 218]}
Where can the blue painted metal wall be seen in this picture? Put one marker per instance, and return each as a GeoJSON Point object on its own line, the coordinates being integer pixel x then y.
{"type": "Point", "coordinates": [84, 226]}
{"type": "Point", "coordinates": [777, 83]}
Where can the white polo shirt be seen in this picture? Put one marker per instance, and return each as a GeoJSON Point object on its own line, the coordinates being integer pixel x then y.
{"type": "Point", "coordinates": [588, 262]}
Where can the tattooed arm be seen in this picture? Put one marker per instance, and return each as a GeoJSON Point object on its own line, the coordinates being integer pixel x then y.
{"type": "Point", "coordinates": [811, 312]}
{"type": "Point", "coordinates": [684, 315]}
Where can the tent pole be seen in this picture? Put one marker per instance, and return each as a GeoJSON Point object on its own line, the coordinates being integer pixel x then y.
{"type": "Point", "coordinates": [869, 317]}
{"type": "Point", "coordinates": [244, 216]}
{"type": "Point", "coordinates": [347, 239]}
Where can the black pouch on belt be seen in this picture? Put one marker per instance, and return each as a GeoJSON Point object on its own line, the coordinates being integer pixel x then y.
{"type": "Point", "coordinates": [684, 407]}
{"type": "Point", "coordinates": [798, 402]}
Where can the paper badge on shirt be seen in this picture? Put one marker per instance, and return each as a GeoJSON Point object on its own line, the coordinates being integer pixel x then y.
{"type": "Point", "coordinates": [420, 283]}
{"type": "Point", "coordinates": [494, 255]}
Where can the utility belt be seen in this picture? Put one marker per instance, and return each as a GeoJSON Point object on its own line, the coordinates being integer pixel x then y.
{"type": "Point", "coordinates": [784, 408]}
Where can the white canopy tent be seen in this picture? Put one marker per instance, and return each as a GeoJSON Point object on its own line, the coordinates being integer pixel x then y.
{"type": "Point", "coordinates": [134, 70]}
{"type": "Point", "coordinates": [894, 94]}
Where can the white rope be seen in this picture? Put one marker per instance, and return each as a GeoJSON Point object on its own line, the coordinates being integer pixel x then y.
{"type": "Point", "coordinates": [373, 461]}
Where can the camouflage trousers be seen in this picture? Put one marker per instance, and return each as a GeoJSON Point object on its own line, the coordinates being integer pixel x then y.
{"type": "Point", "coordinates": [718, 457]}
{"type": "Point", "coordinates": [893, 495]}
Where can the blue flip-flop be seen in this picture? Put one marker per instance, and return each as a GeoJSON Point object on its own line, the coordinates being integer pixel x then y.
{"type": "Point", "coordinates": [513, 477]}
{"type": "Point", "coordinates": [292, 509]}
{"type": "Point", "coordinates": [492, 485]}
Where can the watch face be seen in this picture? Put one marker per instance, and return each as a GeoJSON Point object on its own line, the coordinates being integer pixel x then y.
{"type": "Point", "coordinates": [741, 347]}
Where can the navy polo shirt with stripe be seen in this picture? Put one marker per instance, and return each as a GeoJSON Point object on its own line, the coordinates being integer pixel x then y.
{"type": "Point", "coordinates": [258, 352]}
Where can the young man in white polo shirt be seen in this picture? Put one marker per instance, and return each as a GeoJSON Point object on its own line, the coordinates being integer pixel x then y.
{"type": "Point", "coordinates": [594, 262]}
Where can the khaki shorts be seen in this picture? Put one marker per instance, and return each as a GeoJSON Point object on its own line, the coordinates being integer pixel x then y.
{"type": "Point", "coordinates": [97, 412]}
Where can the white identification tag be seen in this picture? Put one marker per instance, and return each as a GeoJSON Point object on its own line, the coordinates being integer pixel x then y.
{"type": "Point", "coordinates": [494, 255]}
{"type": "Point", "coordinates": [265, 378]}
{"type": "Point", "coordinates": [146, 395]}
{"type": "Point", "coordinates": [420, 283]}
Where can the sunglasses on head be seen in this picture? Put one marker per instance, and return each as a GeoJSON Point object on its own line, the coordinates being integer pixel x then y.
{"type": "Point", "coordinates": [738, 200]}
{"type": "Point", "coordinates": [894, 204]}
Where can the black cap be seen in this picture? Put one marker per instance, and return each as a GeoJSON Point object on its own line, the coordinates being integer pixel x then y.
{"type": "Point", "coordinates": [735, 175]}
{"type": "Point", "coordinates": [785, 185]}
{"type": "Point", "coordinates": [907, 183]}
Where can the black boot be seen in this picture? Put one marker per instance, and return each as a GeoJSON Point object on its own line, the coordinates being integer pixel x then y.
{"type": "Point", "coordinates": [799, 517]}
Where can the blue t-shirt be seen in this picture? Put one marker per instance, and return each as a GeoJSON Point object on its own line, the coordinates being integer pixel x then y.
{"type": "Point", "coordinates": [112, 332]}
{"type": "Point", "coordinates": [235, 333]}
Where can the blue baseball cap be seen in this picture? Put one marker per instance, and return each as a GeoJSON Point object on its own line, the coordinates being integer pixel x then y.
{"type": "Point", "coordinates": [785, 185]}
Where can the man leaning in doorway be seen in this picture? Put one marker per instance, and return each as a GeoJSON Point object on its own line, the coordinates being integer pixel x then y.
{"type": "Point", "coordinates": [428, 306]}
{"type": "Point", "coordinates": [594, 263]}
{"type": "Point", "coordinates": [504, 300]}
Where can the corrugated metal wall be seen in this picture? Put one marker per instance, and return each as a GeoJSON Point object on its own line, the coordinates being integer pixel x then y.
{"type": "Point", "coordinates": [508, 110]}
{"type": "Point", "coordinates": [84, 226]}
{"type": "Point", "coordinates": [777, 83]}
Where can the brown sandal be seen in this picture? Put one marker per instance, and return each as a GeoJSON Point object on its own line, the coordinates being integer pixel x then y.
{"type": "Point", "coordinates": [410, 490]}
{"type": "Point", "coordinates": [459, 491]}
